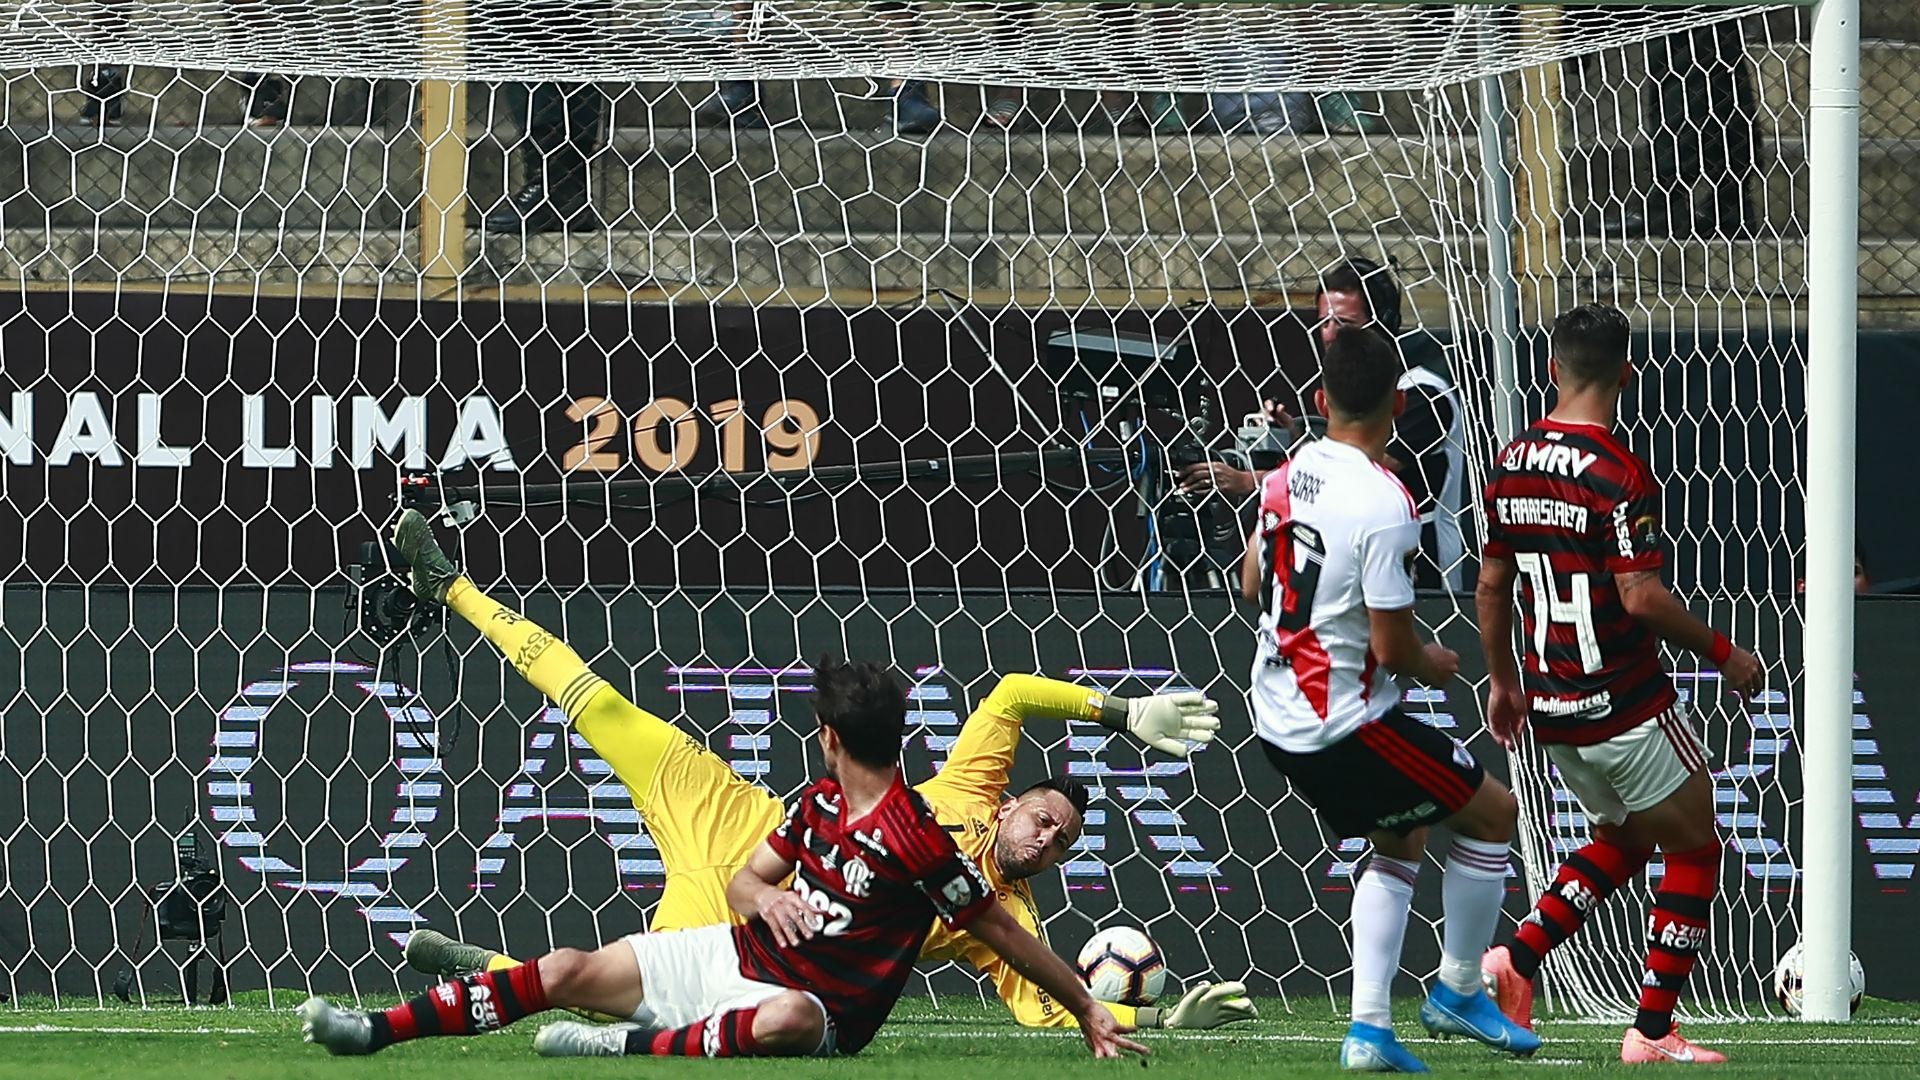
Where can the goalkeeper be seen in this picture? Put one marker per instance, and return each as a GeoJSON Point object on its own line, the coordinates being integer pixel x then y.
{"type": "Point", "coordinates": [705, 820]}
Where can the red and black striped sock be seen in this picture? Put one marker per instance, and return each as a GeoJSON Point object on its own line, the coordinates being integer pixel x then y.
{"type": "Point", "coordinates": [469, 1006]}
{"type": "Point", "coordinates": [1679, 932]}
{"type": "Point", "coordinates": [727, 1034]}
{"type": "Point", "coordinates": [1582, 884]}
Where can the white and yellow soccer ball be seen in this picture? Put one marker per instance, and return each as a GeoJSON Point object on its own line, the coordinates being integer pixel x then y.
{"type": "Point", "coordinates": [1123, 965]}
{"type": "Point", "coordinates": [1789, 984]}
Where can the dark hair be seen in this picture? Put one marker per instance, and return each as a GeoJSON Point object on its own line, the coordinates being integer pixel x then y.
{"type": "Point", "coordinates": [1362, 275]}
{"type": "Point", "coordinates": [1359, 371]}
{"type": "Point", "coordinates": [1590, 343]}
{"type": "Point", "coordinates": [864, 705]}
{"type": "Point", "coordinates": [1074, 791]}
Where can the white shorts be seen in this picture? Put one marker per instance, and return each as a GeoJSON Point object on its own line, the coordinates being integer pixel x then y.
{"type": "Point", "coordinates": [1635, 769]}
{"type": "Point", "coordinates": [686, 975]}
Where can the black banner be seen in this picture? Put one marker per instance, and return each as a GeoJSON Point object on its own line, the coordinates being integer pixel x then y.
{"type": "Point", "coordinates": [156, 439]}
{"type": "Point", "coordinates": [151, 439]}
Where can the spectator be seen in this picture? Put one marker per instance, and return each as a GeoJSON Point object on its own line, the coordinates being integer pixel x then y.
{"type": "Point", "coordinates": [1862, 581]}
{"type": "Point", "coordinates": [1126, 110]}
{"type": "Point", "coordinates": [1700, 121]}
{"type": "Point", "coordinates": [561, 126]}
{"type": "Point", "coordinates": [106, 92]}
{"type": "Point", "coordinates": [1428, 448]}
{"type": "Point", "coordinates": [1263, 113]}
{"type": "Point", "coordinates": [913, 111]}
{"type": "Point", "coordinates": [564, 124]}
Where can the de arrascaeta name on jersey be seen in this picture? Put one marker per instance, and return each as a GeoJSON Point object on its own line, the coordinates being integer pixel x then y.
{"type": "Point", "coordinates": [1552, 513]}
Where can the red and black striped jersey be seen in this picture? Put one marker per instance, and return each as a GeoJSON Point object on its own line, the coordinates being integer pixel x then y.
{"type": "Point", "coordinates": [1571, 506]}
{"type": "Point", "coordinates": [877, 884]}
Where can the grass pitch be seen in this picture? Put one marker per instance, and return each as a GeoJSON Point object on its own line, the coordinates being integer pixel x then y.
{"type": "Point", "coordinates": [959, 1040]}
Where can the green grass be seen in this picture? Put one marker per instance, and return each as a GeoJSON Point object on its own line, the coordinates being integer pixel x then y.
{"type": "Point", "coordinates": [960, 1041]}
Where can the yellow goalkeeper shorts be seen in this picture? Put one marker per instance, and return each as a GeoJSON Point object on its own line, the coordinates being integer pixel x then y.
{"type": "Point", "coordinates": [706, 821]}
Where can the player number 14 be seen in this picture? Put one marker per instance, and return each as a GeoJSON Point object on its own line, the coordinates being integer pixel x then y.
{"type": "Point", "coordinates": [1575, 611]}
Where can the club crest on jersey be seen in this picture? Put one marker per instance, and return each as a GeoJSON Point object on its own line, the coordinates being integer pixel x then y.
{"type": "Point", "coordinates": [858, 877]}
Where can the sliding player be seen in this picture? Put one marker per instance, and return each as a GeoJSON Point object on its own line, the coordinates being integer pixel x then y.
{"type": "Point", "coordinates": [816, 967]}
{"type": "Point", "coordinates": [1330, 564]}
{"type": "Point", "coordinates": [1575, 512]}
{"type": "Point", "coordinates": [706, 820]}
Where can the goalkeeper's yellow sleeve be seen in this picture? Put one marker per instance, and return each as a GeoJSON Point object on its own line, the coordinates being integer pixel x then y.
{"type": "Point", "coordinates": [982, 756]}
{"type": "Point", "coordinates": [1030, 1005]}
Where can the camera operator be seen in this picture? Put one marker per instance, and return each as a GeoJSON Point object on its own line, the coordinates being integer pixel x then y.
{"type": "Point", "coordinates": [1427, 451]}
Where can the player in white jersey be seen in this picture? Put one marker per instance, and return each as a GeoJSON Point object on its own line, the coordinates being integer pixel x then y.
{"type": "Point", "coordinates": [1330, 565]}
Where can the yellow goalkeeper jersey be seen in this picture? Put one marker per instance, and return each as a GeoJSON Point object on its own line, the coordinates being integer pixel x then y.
{"type": "Point", "coordinates": [966, 796]}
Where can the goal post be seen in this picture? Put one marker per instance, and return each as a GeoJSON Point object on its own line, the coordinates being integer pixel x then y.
{"type": "Point", "coordinates": [802, 386]}
{"type": "Point", "coordinates": [1833, 138]}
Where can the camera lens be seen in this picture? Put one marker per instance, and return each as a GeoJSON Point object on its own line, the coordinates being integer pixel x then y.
{"type": "Point", "coordinates": [396, 606]}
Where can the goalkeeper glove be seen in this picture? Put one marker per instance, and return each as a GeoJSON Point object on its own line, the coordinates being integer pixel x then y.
{"type": "Point", "coordinates": [1207, 1005]}
{"type": "Point", "coordinates": [1166, 722]}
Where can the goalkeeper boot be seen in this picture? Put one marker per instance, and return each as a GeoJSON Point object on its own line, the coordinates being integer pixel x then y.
{"type": "Point", "coordinates": [341, 1031]}
{"type": "Point", "coordinates": [570, 1038]}
{"type": "Point", "coordinates": [432, 570]}
{"type": "Point", "coordinates": [1449, 1012]}
{"type": "Point", "coordinates": [1374, 1049]}
{"type": "Point", "coordinates": [1508, 988]}
{"type": "Point", "coordinates": [431, 952]}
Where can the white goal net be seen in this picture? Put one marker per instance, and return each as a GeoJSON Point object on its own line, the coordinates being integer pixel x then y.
{"type": "Point", "coordinates": [742, 353]}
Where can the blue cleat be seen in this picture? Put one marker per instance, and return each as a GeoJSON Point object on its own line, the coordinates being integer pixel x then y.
{"type": "Point", "coordinates": [1449, 1012]}
{"type": "Point", "coordinates": [1374, 1049]}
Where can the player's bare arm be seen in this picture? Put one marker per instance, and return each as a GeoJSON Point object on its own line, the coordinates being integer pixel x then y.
{"type": "Point", "coordinates": [1647, 599]}
{"type": "Point", "coordinates": [1250, 570]}
{"type": "Point", "coordinates": [1035, 962]}
{"type": "Point", "coordinates": [1398, 645]}
{"type": "Point", "coordinates": [756, 893]}
{"type": "Point", "coordinates": [1493, 603]}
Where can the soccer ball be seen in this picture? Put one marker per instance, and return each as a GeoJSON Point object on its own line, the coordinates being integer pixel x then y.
{"type": "Point", "coordinates": [1788, 989]}
{"type": "Point", "coordinates": [1124, 966]}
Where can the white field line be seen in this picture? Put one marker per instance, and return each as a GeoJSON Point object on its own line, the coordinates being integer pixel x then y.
{"type": "Point", "coordinates": [1332, 1037]}
{"type": "Point", "coordinates": [1021, 1033]}
{"type": "Point", "coordinates": [62, 1029]}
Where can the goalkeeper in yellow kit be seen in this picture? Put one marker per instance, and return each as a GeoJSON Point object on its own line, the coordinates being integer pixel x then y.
{"type": "Point", "coordinates": [705, 820]}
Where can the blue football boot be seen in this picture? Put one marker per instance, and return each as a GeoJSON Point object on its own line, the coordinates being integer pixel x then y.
{"type": "Point", "coordinates": [1449, 1012]}
{"type": "Point", "coordinates": [1374, 1049]}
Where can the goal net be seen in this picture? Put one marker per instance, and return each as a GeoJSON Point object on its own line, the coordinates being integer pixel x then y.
{"type": "Point", "coordinates": [738, 353]}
